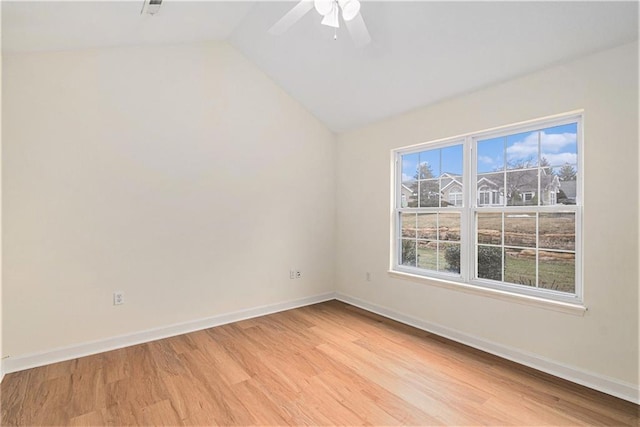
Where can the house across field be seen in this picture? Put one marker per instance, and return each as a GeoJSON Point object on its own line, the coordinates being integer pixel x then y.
{"type": "Point", "coordinates": [524, 187]}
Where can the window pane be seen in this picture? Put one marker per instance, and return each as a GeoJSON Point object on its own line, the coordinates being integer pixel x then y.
{"type": "Point", "coordinates": [557, 271]}
{"type": "Point", "coordinates": [522, 150]}
{"type": "Point", "coordinates": [429, 164]}
{"type": "Point", "coordinates": [451, 160]}
{"type": "Point", "coordinates": [489, 262]}
{"type": "Point", "coordinates": [490, 189]}
{"type": "Point", "coordinates": [490, 228]}
{"type": "Point", "coordinates": [451, 190]}
{"type": "Point", "coordinates": [549, 187]}
{"type": "Point", "coordinates": [429, 193]}
{"type": "Point", "coordinates": [491, 155]}
{"type": "Point", "coordinates": [410, 166]}
{"type": "Point", "coordinates": [409, 194]}
{"type": "Point", "coordinates": [427, 226]}
{"type": "Point", "coordinates": [520, 229]}
{"type": "Point", "coordinates": [408, 255]}
{"type": "Point", "coordinates": [427, 254]}
{"type": "Point", "coordinates": [522, 188]}
{"type": "Point", "coordinates": [520, 266]}
{"type": "Point", "coordinates": [567, 175]}
{"type": "Point", "coordinates": [559, 145]}
{"type": "Point", "coordinates": [408, 222]}
{"type": "Point", "coordinates": [449, 226]}
{"type": "Point", "coordinates": [557, 231]}
{"type": "Point", "coordinates": [449, 257]}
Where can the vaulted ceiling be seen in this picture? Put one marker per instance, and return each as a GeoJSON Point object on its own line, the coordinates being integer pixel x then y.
{"type": "Point", "coordinates": [421, 52]}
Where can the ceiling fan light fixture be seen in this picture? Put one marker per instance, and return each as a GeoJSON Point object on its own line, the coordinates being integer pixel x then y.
{"type": "Point", "coordinates": [331, 19]}
{"type": "Point", "coordinates": [350, 9]}
{"type": "Point", "coordinates": [323, 7]}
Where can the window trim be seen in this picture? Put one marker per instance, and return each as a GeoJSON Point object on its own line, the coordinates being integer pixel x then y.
{"type": "Point", "coordinates": [468, 244]}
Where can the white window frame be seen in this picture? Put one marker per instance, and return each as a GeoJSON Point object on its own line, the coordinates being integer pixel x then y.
{"type": "Point", "coordinates": [468, 236]}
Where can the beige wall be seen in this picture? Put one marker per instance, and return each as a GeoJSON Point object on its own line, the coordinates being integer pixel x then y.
{"type": "Point", "coordinates": [605, 340]}
{"type": "Point", "coordinates": [184, 177]}
{"type": "Point", "coordinates": [180, 175]}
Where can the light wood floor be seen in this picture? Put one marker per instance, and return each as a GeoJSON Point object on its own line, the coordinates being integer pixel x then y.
{"type": "Point", "coordinates": [326, 364]}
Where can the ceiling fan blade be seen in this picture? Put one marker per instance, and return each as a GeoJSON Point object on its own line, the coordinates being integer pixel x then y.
{"type": "Point", "coordinates": [291, 17]}
{"type": "Point", "coordinates": [358, 30]}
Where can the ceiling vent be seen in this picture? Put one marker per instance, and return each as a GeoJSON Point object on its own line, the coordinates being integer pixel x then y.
{"type": "Point", "coordinates": [151, 7]}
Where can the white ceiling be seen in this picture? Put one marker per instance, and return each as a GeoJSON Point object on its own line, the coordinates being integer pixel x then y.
{"type": "Point", "coordinates": [421, 53]}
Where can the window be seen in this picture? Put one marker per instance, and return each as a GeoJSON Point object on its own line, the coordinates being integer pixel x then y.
{"type": "Point", "coordinates": [429, 225]}
{"type": "Point", "coordinates": [507, 218]}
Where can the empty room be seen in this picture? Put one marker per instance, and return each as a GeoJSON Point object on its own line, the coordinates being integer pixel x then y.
{"type": "Point", "coordinates": [320, 212]}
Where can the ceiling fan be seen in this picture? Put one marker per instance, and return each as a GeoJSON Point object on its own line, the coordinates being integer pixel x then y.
{"type": "Point", "coordinates": [330, 10]}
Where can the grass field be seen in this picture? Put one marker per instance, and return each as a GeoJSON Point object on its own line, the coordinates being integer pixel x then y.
{"type": "Point", "coordinates": [556, 243]}
{"type": "Point", "coordinates": [556, 230]}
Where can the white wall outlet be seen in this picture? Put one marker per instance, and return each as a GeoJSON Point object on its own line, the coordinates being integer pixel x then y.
{"type": "Point", "coordinates": [368, 276]}
{"type": "Point", "coordinates": [118, 298]}
{"type": "Point", "coordinates": [298, 274]}
{"type": "Point", "coordinates": [292, 274]}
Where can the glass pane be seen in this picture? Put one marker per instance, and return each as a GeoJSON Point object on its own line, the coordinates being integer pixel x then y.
{"type": "Point", "coordinates": [549, 187]}
{"type": "Point", "coordinates": [559, 145]}
{"type": "Point", "coordinates": [408, 225]}
{"type": "Point", "coordinates": [409, 194]}
{"type": "Point", "coordinates": [557, 231]}
{"type": "Point", "coordinates": [520, 229]}
{"type": "Point", "coordinates": [490, 189]}
{"type": "Point", "coordinates": [427, 254]}
{"type": "Point", "coordinates": [429, 164]}
{"type": "Point", "coordinates": [491, 155]}
{"type": "Point", "coordinates": [567, 175]}
{"type": "Point", "coordinates": [520, 266]}
{"type": "Point", "coordinates": [427, 226]}
{"type": "Point", "coordinates": [408, 256]}
{"type": "Point", "coordinates": [429, 193]}
{"type": "Point", "coordinates": [451, 160]}
{"type": "Point", "coordinates": [449, 257]}
{"type": "Point", "coordinates": [449, 226]}
{"type": "Point", "coordinates": [410, 166]}
{"type": "Point", "coordinates": [557, 271]}
{"type": "Point", "coordinates": [522, 188]}
{"type": "Point", "coordinates": [490, 228]}
{"type": "Point", "coordinates": [522, 150]}
{"type": "Point", "coordinates": [451, 190]}
{"type": "Point", "coordinates": [489, 262]}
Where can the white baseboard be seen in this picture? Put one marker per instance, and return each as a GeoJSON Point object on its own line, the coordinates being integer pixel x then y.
{"type": "Point", "coordinates": [607, 385]}
{"type": "Point", "coordinates": [14, 364]}
{"type": "Point", "coordinates": [598, 382]}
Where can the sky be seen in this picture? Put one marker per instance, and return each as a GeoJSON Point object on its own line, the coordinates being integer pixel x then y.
{"type": "Point", "coordinates": [556, 144]}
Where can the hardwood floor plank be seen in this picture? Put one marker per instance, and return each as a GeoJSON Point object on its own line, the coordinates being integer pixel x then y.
{"type": "Point", "coordinates": [263, 410]}
{"type": "Point", "coordinates": [91, 419]}
{"type": "Point", "coordinates": [325, 364]}
{"type": "Point", "coordinates": [227, 409]}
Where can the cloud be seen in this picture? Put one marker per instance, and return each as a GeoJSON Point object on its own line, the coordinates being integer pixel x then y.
{"type": "Point", "coordinates": [406, 177]}
{"type": "Point", "coordinates": [523, 149]}
{"type": "Point", "coordinates": [561, 158]}
{"type": "Point", "coordinates": [486, 160]}
{"type": "Point", "coordinates": [557, 148]}
{"type": "Point", "coordinates": [556, 142]}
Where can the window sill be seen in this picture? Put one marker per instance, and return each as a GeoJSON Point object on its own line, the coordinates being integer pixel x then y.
{"type": "Point", "coordinates": [563, 307]}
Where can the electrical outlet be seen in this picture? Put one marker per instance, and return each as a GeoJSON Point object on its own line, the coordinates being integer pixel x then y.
{"type": "Point", "coordinates": [368, 276]}
{"type": "Point", "coordinates": [292, 274]}
{"type": "Point", "coordinates": [118, 298]}
{"type": "Point", "coordinates": [298, 274]}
